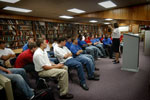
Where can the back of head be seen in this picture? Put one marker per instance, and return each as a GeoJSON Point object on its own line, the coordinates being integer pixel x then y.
{"type": "Point", "coordinates": [61, 40]}
{"type": "Point", "coordinates": [32, 45]}
{"type": "Point", "coordinates": [39, 41]}
{"type": "Point", "coordinates": [116, 25]}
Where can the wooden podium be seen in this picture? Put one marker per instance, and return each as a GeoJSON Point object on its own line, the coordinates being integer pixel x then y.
{"type": "Point", "coordinates": [131, 52]}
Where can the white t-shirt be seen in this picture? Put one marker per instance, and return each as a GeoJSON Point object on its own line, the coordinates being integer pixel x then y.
{"type": "Point", "coordinates": [61, 52]}
{"type": "Point", "coordinates": [40, 59]}
{"type": "Point", "coordinates": [54, 45]}
{"type": "Point", "coordinates": [116, 33]}
{"type": "Point", "coordinates": [47, 48]}
{"type": "Point", "coordinates": [5, 52]}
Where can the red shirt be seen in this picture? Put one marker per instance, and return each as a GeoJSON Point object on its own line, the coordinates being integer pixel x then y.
{"type": "Point", "coordinates": [88, 41]}
{"type": "Point", "coordinates": [24, 58]}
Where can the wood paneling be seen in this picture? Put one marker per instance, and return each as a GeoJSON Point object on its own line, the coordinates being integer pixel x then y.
{"type": "Point", "coordinates": [140, 13]}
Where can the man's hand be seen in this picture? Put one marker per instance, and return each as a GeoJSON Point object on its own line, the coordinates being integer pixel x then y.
{"type": "Point", "coordinates": [9, 72]}
{"type": "Point", "coordinates": [60, 65]}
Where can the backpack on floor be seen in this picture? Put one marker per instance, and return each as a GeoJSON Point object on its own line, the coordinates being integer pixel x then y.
{"type": "Point", "coordinates": [45, 94]}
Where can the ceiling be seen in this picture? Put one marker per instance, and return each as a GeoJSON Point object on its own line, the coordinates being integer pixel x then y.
{"type": "Point", "coordinates": [55, 8]}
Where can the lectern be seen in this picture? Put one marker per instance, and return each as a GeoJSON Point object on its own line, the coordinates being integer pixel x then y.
{"type": "Point", "coordinates": [131, 52]}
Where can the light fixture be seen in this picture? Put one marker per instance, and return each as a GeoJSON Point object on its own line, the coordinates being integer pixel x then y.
{"type": "Point", "coordinates": [66, 17]}
{"type": "Point", "coordinates": [108, 19]}
{"type": "Point", "coordinates": [93, 21]}
{"type": "Point", "coordinates": [10, 1]}
{"type": "Point", "coordinates": [107, 4]}
{"type": "Point", "coordinates": [106, 23]}
{"type": "Point", "coordinates": [17, 9]}
{"type": "Point", "coordinates": [75, 10]}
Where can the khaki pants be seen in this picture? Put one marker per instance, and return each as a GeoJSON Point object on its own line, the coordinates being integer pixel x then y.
{"type": "Point", "coordinates": [61, 75]}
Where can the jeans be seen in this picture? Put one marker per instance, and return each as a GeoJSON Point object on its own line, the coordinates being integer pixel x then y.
{"type": "Point", "coordinates": [18, 76]}
{"type": "Point", "coordinates": [100, 46]}
{"type": "Point", "coordinates": [97, 52]}
{"type": "Point", "coordinates": [87, 60]}
{"type": "Point", "coordinates": [73, 63]}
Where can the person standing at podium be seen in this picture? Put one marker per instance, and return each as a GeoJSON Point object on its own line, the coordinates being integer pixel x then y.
{"type": "Point", "coordinates": [115, 41]}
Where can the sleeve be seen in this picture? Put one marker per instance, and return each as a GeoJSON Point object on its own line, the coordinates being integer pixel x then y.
{"type": "Point", "coordinates": [73, 50]}
{"type": "Point", "coordinates": [39, 59]}
{"type": "Point", "coordinates": [58, 53]}
{"type": "Point", "coordinates": [10, 51]}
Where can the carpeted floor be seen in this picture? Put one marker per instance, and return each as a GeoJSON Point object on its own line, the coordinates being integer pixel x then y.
{"type": "Point", "coordinates": [114, 84]}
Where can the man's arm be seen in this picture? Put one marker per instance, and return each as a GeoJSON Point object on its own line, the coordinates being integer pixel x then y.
{"type": "Point", "coordinates": [79, 52]}
{"type": "Point", "coordinates": [5, 70]}
{"type": "Point", "coordinates": [6, 57]}
{"type": "Point", "coordinates": [53, 66]}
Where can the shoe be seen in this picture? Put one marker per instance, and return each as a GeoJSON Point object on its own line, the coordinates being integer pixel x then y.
{"type": "Point", "coordinates": [96, 75]}
{"type": "Point", "coordinates": [67, 96]}
{"type": "Point", "coordinates": [111, 57]}
{"type": "Point", "coordinates": [32, 98]}
{"type": "Point", "coordinates": [84, 86]}
{"type": "Point", "coordinates": [94, 78]}
{"type": "Point", "coordinates": [116, 62]}
{"type": "Point", "coordinates": [96, 68]}
{"type": "Point", "coordinates": [99, 58]}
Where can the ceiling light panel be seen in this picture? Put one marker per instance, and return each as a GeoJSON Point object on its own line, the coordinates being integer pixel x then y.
{"type": "Point", "coordinates": [66, 17]}
{"type": "Point", "coordinates": [107, 4]}
{"type": "Point", "coordinates": [10, 1]}
{"type": "Point", "coordinates": [75, 10]}
{"type": "Point", "coordinates": [17, 9]}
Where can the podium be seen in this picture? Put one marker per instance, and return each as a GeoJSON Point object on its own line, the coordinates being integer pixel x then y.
{"type": "Point", "coordinates": [147, 43]}
{"type": "Point", "coordinates": [131, 52]}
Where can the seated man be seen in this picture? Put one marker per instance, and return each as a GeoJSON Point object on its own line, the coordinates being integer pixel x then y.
{"type": "Point", "coordinates": [7, 56]}
{"type": "Point", "coordinates": [46, 68]}
{"type": "Point", "coordinates": [69, 42]}
{"type": "Point", "coordinates": [30, 39]}
{"type": "Point", "coordinates": [96, 42]}
{"type": "Point", "coordinates": [107, 42]}
{"type": "Point", "coordinates": [64, 55]}
{"type": "Point", "coordinates": [92, 50]}
{"type": "Point", "coordinates": [85, 59]}
{"type": "Point", "coordinates": [18, 76]}
{"type": "Point", "coordinates": [25, 59]}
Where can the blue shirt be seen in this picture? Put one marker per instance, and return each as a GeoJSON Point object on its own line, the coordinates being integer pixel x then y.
{"type": "Point", "coordinates": [74, 49]}
{"type": "Point", "coordinates": [25, 47]}
{"type": "Point", "coordinates": [107, 41]}
{"type": "Point", "coordinates": [68, 44]}
{"type": "Point", "coordinates": [81, 43]}
{"type": "Point", "coordinates": [93, 40]}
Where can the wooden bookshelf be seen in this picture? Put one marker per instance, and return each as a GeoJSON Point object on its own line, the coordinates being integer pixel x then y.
{"type": "Point", "coordinates": [16, 31]}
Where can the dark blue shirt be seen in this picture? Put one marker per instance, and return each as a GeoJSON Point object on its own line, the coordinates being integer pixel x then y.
{"type": "Point", "coordinates": [74, 49]}
{"type": "Point", "coordinates": [68, 44]}
{"type": "Point", "coordinates": [107, 41]}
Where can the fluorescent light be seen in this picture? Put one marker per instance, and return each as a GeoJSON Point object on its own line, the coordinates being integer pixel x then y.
{"type": "Point", "coordinates": [10, 1]}
{"type": "Point", "coordinates": [108, 19]}
{"type": "Point", "coordinates": [66, 17]}
{"type": "Point", "coordinates": [106, 23]}
{"type": "Point", "coordinates": [75, 10]}
{"type": "Point", "coordinates": [93, 21]}
{"type": "Point", "coordinates": [107, 4]}
{"type": "Point", "coordinates": [17, 9]}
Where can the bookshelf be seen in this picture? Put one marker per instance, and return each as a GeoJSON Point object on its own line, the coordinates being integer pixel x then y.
{"type": "Point", "coordinates": [16, 31]}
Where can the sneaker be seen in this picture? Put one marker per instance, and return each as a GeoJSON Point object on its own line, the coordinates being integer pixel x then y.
{"type": "Point", "coordinates": [66, 96]}
{"type": "Point", "coordinates": [96, 68]}
{"type": "Point", "coordinates": [94, 78]}
{"type": "Point", "coordinates": [116, 62]}
{"type": "Point", "coordinates": [84, 86]}
{"type": "Point", "coordinates": [99, 58]}
{"type": "Point", "coordinates": [32, 98]}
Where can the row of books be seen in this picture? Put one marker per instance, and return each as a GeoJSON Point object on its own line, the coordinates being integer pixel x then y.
{"type": "Point", "coordinates": [7, 27]}
{"type": "Point", "coordinates": [4, 21]}
{"type": "Point", "coordinates": [14, 38]}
